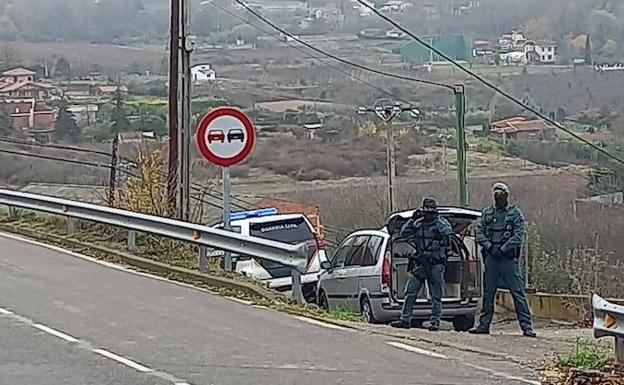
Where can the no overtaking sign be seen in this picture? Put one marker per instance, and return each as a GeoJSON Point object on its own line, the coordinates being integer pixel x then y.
{"type": "Point", "coordinates": [226, 136]}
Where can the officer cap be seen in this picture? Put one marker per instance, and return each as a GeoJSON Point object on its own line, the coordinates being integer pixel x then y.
{"type": "Point", "coordinates": [500, 186]}
{"type": "Point", "coordinates": [429, 204]}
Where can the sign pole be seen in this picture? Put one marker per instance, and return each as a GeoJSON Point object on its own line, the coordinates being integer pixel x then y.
{"type": "Point", "coordinates": [225, 137]}
{"type": "Point", "coordinates": [226, 212]}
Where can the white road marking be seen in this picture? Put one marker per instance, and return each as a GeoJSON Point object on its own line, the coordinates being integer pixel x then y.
{"type": "Point", "coordinates": [320, 323]}
{"type": "Point", "coordinates": [414, 349]}
{"type": "Point", "coordinates": [243, 301]}
{"type": "Point", "coordinates": [502, 374]}
{"type": "Point", "coordinates": [6, 312]}
{"type": "Point", "coordinates": [55, 333]}
{"type": "Point", "coordinates": [123, 360]}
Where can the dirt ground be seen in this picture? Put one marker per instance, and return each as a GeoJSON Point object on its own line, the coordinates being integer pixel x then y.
{"type": "Point", "coordinates": [504, 353]}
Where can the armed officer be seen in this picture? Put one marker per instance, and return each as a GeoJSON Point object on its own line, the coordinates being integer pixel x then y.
{"type": "Point", "coordinates": [500, 233]}
{"type": "Point", "coordinates": [430, 234]}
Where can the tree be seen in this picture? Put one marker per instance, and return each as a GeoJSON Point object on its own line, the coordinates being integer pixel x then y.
{"type": "Point", "coordinates": [539, 28]}
{"type": "Point", "coordinates": [588, 51]}
{"type": "Point", "coordinates": [246, 32]}
{"type": "Point", "coordinates": [119, 119]}
{"type": "Point", "coordinates": [65, 125]}
{"type": "Point", "coordinates": [6, 124]}
{"type": "Point", "coordinates": [62, 68]}
{"type": "Point", "coordinates": [610, 48]}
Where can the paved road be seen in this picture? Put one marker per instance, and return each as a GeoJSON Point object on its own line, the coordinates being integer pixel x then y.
{"type": "Point", "coordinates": [66, 320]}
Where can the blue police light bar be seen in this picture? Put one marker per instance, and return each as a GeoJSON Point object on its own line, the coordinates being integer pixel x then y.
{"type": "Point", "coordinates": [236, 216]}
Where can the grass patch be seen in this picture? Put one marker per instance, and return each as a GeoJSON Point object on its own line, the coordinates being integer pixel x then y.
{"type": "Point", "coordinates": [586, 355]}
{"type": "Point", "coordinates": [345, 315]}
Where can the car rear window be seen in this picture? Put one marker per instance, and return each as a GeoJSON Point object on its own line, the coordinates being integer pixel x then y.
{"type": "Point", "coordinates": [293, 231]}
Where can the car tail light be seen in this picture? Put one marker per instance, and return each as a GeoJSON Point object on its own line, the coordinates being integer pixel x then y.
{"type": "Point", "coordinates": [385, 270]}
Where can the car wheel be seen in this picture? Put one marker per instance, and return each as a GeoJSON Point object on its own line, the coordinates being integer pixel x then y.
{"type": "Point", "coordinates": [323, 303]}
{"type": "Point", "coordinates": [309, 293]}
{"type": "Point", "coordinates": [463, 323]}
{"type": "Point", "coordinates": [367, 311]}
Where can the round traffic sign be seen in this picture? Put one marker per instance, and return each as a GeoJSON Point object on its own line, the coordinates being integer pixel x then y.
{"type": "Point", "coordinates": [225, 136]}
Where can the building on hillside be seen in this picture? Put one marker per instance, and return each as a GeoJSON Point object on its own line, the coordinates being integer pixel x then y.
{"type": "Point", "coordinates": [458, 47]}
{"type": "Point", "coordinates": [522, 129]}
{"type": "Point", "coordinates": [541, 51]}
{"type": "Point", "coordinates": [84, 113]}
{"type": "Point", "coordinates": [483, 48]}
{"type": "Point", "coordinates": [79, 88]}
{"type": "Point", "coordinates": [136, 137]}
{"type": "Point", "coordinates": [31, 117]}
{"type": "Point", "coordinates": [110, 90]}
{"type": "Point", "coordinates": [396, 6]}
{"type": "Point", "coordinates": [613, 202]}
{"type": "Point", "coordinates": [203, 73]}
{"type": "Point", "coordinates": [510, 41]}
{"type": "Point", "coordinates": [21, 83]}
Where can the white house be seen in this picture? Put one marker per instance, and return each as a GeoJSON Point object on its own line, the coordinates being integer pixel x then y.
{"type": "Point", "coordinates": [396, 6]}
{"type": "Point", "coordinates": [202, 73]}
{"type": "Point", "coordinates": [542, 51]}
{"type": "Point", "coordinates": [511, 40]}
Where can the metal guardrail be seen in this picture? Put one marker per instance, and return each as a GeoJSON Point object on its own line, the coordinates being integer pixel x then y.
{"type": "Point", "coordinates": [609, 322]}
{"type": "Point", "coordinates": [293, 256]}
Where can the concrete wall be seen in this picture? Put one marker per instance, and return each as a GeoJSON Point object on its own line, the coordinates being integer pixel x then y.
{"type": "Point", "coordinates": [563, 307]}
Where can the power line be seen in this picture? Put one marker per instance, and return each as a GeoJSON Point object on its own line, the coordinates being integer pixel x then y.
{"type": "Point", "coordinates": [337, 58]}
{"type": "Point", "coordinates": [54, 146]}
{"type": "Point", "coordinates": [47, 157]}
{"type": "Point", "coordinates": [329, 64]}
{"type": "Point", "coordinates": [488, 84]}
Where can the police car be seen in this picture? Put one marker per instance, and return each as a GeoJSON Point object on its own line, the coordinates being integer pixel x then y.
{"type": "Point", "coordinates": [288, 228]}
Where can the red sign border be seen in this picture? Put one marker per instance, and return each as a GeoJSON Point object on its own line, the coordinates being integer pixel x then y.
{"type": "Point", "coordinates": [201, 136]}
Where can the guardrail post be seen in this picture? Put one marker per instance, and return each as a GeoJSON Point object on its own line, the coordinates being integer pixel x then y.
{"type": "Point", "coordinates": [12, 212]}
{"type": "Point", "coordinates": [131, 240]}
{"type": "Point", "coordinates": [297, 291]}
{"type": "Point", "coordinates": [609, 322]}
{"type": "Point", "coordinates": [203, 258]}
{"type": "Point", "coordinates": [71, 226]}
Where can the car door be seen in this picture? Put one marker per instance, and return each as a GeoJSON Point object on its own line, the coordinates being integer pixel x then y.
{"type": "Point", "coordinates": [333, 278]}
{"type": "Point", "coordinates": [349, 286]}
{"type": "Point", "coordinates": [369, 272]}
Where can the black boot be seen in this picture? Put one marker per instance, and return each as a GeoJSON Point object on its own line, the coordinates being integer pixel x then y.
{"type": "Point", "coordinates": [529, 333]}
{"type": "Point", "coordinates": [400, 324]}
{"type": "Point", "coordinates": [479, 330]}
{"type": "Point", "coordinates": [434, 327]}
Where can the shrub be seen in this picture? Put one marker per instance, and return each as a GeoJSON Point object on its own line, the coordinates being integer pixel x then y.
{"type": "Point", "coordinates": [587, 355]}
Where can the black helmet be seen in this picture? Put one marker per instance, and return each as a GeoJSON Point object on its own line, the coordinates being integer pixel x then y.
{"type": "Point", "coordinates": [429, 205]}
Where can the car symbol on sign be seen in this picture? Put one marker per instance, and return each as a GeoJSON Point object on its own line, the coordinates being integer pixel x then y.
{"type": "Point", "coordinates": [236, 134]}
{"type": "Point", "coordinates": [216, 135]}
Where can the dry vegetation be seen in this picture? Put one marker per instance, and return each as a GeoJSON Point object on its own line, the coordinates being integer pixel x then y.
{"type": "Point", "coordinates": [562, 246]}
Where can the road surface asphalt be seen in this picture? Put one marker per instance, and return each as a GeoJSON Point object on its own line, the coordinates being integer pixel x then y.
{"type": "Point", "coordinates": [67, 320]}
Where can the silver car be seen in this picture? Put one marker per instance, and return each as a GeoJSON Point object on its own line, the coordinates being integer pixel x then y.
{"type": "Point", "coordinates": [368, 271]}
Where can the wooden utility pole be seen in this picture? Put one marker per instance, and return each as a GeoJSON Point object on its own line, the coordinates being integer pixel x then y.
{"type": "Point", "coordinates": [184, 171]}
{"type": "Point", "coordinates": [174, 64]}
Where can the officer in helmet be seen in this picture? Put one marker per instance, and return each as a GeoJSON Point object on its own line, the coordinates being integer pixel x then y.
{"type": "Point", "coordinates": [430, 234]}
{"type": "Point", "coordinates": [500, 233]}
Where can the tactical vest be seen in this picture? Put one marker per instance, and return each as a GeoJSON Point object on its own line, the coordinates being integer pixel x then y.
{"type": "Point", "coordinates": [499, 227]}
{"type": "Point", "coordinates": [429, 242]}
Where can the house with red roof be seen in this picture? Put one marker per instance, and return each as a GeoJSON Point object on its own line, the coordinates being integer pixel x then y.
{"type": "Point", "coordinates": [21, 83]}
{"type": "Point", "coordinates": [522, 129]}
